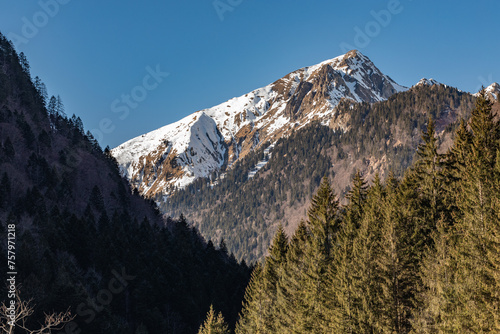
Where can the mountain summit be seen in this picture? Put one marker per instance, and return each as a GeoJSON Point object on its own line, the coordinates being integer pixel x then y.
{"type": "Point", "coordinates": [427, 82]}
{"type": "Point", "coordinates": [213, 139]}
{"type": "Point", "coordinates": [493, 90]}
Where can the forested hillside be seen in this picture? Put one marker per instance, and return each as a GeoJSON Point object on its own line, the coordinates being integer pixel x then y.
{"type": "Point", "coordinates": [373, 138]}
{"type": "Point", "coordinates": [78, 227]}
{"type": "Point", "coordinates": [417, 254]}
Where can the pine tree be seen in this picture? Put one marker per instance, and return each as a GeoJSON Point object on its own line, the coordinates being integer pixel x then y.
{"type": "Point", "coordinates": [429, 179]}
{"type": "Point", "coordinates": [252, 316]}
{"type": "Point", "coordinates": [323, 225]}
{"type": "Point", "coordinates": [96, 199]}
{"type": "Point", "coordinates": [273, 270]}
{"type": "Point", "coordinates": [493, 250]}
{"type": "Point", "coordinates": [435, 272]}
{"type": "Point", "coordinates": [395, 260]}
{"type": "Point", "coordinates": [357, 197]}
{"type": "Point", "coordinates": [473, 305]}
{"type": "Point", "coordinates": [214, 323]}
{"type": "Point", "coordinates": [60, 107]}
{"type": "Point", "coordinates": [41, 90]}
{"type": "Point", "coordinates": [454, 167]}
{"type": "Point", "coordinates": [260, 297]}
{"type": "Point", "coordinates": [290, 314]}
{"type": "Point", "coordinates": [366, 252]}
{"type": "Point", "coordinates": [24, 63]}
{"type": "Point", "coordinates": [344, 291]}
{"type": "Point", "coordinates": [51, 106]}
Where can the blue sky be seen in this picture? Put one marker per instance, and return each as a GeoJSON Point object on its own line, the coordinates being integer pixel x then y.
{"type": "Point", "coordinates": [96, 53]}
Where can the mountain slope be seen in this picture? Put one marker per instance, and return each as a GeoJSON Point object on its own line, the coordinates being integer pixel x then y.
{"type": "Point", "coordinates": [158, 162]}
{"type": "Point", "coordinates": [376, 138]}
{"type": "Point", "coordinates": [78, 225]}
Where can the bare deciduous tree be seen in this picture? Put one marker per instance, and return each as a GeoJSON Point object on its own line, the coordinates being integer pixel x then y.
{"type": "Point", "coordinates": [23, 310]}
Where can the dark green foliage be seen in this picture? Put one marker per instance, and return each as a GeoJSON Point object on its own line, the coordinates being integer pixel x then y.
{"type": "Point", "coordinates": [79, 226]}
{"type": "Point", "coordinates": [8, 149]}
{"type": "Point", "coordinates": [5, 191]}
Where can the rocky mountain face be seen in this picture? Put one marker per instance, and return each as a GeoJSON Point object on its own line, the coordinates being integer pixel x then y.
{"type": "Point", "coordinates": [214, 139]}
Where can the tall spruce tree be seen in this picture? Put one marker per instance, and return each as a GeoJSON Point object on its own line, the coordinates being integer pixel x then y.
{"type": "Point", "coordinates": [323, 225]}
{"type": "Point", "coordinates": [428, 178]}
{"type": "Point", "coordinates": [273, 269]}
{"type": "Point", "coordinates": [258, 314]}
{"type": "Point", "coordinates": [474, 303]}
{"type": "Point", "coordinates": [366, 252]}
{"type": "Point", "coordinates": [290, 311]}
{"type": "Point", "coordinates": [343, 293]}
{"type": "Point", "coordinates": [252, 316]}
{"type": "Point", "coordinates": [396, 260]}
{"type": "Point", "coordinates": [435, 273]}
{"type": "Point", "coordinates": [214, 323]}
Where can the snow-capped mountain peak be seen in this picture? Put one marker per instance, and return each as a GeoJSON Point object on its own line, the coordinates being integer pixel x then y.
{"type": "Point", "coordinates": [493, 90]}
{"type": "Point", "coordinates": [427, 82]}
{"type": "Point", "coordinates": [176, 154]}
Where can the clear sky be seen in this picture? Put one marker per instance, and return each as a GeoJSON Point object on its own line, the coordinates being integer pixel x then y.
{"type": "Point", "coordinates": [96, 53]}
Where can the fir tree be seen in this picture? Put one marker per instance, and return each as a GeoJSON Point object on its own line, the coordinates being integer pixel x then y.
{"type": "Point", "coordinates": [429, 180]}
{"type": "Point", "coordinates": [395, 261]}
{"type": "Point", "coordinates": [24, 63]}
{"type": "Point", "coordinates": [261, 295]}
{"type": "Point", "coordinates": [474, 304]}
{"type": "Point", "coordinates": [291, 309]}
{"type": "Point", "coordinates": [344, 290]}
{"type": "Point", "coordinates": [365, 251]}
{"type": "Point", "coordinates": [252, 316]}
{"type": "Point", "coordinates": [214, 323]}
{"type": "Point", "coordinates": [323, 225]}
{"type": "Point", "coordinates": [273, 270]}
{"type": "Point", "coordinates": [60, 107]}
{"type": "Point", "coordinates": [429, 314]}
{"type": "Point", "coordinates": [357, 197]}
{"type": "Point", "coordinates": [51, 106]}
{"type": "Point", "coordinates": [41, 90]}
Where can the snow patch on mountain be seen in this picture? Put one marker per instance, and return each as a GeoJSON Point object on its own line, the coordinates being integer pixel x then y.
{"type": "Point", "coordinates": [232, 115]}
{"type": "Point", "coordinates": [427, 82]}
{"type": "Point", "coordinates": [267, 155]}
{"type": "Point", "coordinates": [195, 140]}
{"type": "Point", "coordinates": [493, 90]}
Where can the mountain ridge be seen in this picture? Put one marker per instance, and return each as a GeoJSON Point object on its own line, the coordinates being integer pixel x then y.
{"type": "Point", "coordinates": [156, 168]}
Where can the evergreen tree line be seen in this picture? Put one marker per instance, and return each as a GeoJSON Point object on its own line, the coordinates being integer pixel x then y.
{"type": "Point", "coordinates": [420, 254]}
